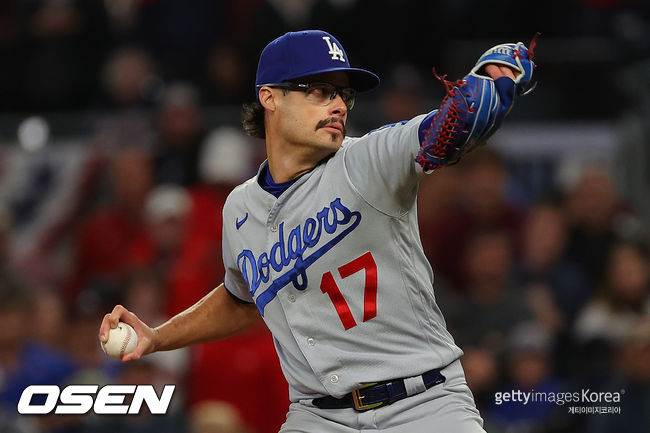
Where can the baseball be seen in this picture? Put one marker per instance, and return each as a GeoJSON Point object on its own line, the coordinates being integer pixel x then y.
{"type": "Point", "coordinates": [121, 340]}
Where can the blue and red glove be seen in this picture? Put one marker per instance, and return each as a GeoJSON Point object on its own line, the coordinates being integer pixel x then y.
{"type": "Point", "coordinates": [475, 106]}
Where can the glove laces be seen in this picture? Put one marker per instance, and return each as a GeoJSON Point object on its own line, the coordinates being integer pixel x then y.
{"type": "Point", "coordinates": [444, 123]}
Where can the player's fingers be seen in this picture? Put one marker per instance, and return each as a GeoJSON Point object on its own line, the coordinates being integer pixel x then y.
{"type": "Point", "coordinates": [137, 353]}
{"type": "Point", "coordinates": [110, 321]}
{"type": "Point", "coordinates": [508, 72]}
{"type": "Point", "coordinates": [116, 315]}
{"type": "Point", "coordinates": [143, 347]}
{"type": "Point", "coordinates": [132, 356]}
{"type": "Point", "coordinates": [104, 328]}
{"type": "Point", "coordinates": [493, 71]}
{"type": "Point", "coordinates": [497, 71]}
{"type": "Point", "coordinates": [132, 319]}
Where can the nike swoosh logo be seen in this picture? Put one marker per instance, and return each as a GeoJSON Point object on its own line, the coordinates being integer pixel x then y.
{"type": "Point", "coordinates": [240, 223]}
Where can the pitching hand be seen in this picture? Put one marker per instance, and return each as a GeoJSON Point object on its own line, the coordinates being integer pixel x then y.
{"type": "Point", "coordinates": [147, 336]}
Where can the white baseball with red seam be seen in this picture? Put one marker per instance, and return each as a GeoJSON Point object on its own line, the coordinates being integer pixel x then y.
{"type": "Point", "coordinates": [121, 340]}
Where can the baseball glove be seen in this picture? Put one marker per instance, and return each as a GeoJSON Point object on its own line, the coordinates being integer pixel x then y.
{"type": "Point", "coordinates": [475, 106]}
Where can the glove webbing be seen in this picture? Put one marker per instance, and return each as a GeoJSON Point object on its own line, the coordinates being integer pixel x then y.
{"type": "Point", "coordinates": [439, 149]}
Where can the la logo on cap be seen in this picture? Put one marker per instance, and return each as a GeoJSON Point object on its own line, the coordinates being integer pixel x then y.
{"type": "Point", "coordinates": [335, 51]}
{"type": "Point", "coordinates": [306, 53]}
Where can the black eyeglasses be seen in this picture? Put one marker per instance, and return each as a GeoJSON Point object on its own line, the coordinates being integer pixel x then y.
{"type": "Point", "coordinates": [319, 93]}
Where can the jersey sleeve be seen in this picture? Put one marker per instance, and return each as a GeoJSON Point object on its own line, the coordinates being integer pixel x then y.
{"type": "Point", "coordinates": [233, 280]}
{"type": "Point", "coordinates": [382, 168]}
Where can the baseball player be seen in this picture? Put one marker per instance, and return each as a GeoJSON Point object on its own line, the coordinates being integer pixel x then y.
{"type": "Point", "coordinates": [323, 243]}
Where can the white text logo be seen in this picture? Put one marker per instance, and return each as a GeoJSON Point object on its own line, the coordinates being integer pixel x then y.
{"type": "Point", "coordinates": [501, 50]}
{"type": "Point", "coordinates": [558, 398]}
{"type": "Point", "coordinates": [335, 51]}
{"type": "Point", "coordinates": [80, 399]}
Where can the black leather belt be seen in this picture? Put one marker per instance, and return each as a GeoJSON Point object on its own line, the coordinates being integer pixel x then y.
{"type": "Point", "coordinates": [374, 395]}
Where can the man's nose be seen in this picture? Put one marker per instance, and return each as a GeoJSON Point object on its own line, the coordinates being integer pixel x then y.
{"type": "Point", "coordinates": [338, 106]}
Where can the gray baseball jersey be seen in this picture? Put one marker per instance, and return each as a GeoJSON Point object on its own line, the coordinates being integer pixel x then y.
{"type": "Point", "coordinates": [336, 268]}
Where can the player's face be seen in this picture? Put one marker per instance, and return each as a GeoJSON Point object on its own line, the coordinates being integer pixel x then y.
{"type": "Point", "coordinates": [312, 118]}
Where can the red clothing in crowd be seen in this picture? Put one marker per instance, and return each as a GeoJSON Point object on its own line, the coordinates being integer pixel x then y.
{"type": "Point", "coordinates": [242, 370]}
{"type": "Point", "coordinates": [445, 241]}
{"type": "Point", "coordinates": [102, 242]}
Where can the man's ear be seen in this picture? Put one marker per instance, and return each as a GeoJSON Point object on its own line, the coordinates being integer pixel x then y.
{"type": "Point", "coordinates": [267, 98]}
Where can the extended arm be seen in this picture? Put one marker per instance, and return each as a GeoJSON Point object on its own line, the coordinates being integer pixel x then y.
{"type": "Point", "coordinates": [217, 315]}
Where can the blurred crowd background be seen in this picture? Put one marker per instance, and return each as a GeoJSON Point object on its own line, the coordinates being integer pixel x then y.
{"type": "Point", "coordinates": [120, 139]}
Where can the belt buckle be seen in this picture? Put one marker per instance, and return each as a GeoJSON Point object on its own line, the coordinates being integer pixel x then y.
{"type": "Point", "coordinates": [357, 399]}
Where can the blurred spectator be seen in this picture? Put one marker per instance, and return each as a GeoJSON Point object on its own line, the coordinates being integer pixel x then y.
{"type": "Point", "coordinates": [482, 373]}
{"type": "Point", "coordinates": [624, 297]}
{"type": "Point", "coordinates": [103, 237]}
{"type": "Point", "coordinates": [187, 264]}
{"type": "Point", "coordinates": [130, 79]}
{"type": "Point", "coordinates": [144, 292]}
{"type": "Point", "coordinates": [215, 417]}
{"type": "Point", "coordinates": [592, 205]}
{"type": "Point", "coordinates": [122, 16]}
{"type": "Point", "coordinates": [227, 157]}
{"type": "Point", "coordinates": [481, 206]}
{"type": "Point", "coordinates": [50, 320]}
{"type": "Point", "coordinates": [481, 319]}
{"type": "Point", "coordinates": [294, 13]}
{"type": "Point", "coordinates": [438, 196]}
{"type": "Point", "coordinates": [492, 306]}
{"type": "Point", "coordinates": [23, 361]}
{"type": "Point", "coordinates": [226, 160]}
{"type": "Point", "coordinates": [180, 133]}
{"type": "Point", "coordinates": [544, 267]}
{"type": "Point", "coordinates": [402, 97]}
{"type": "Point", "coordinates": [166, 210]}
{"type": "Point", "coordinates": [529, 368]}
{"type": "Point", "coordinates": [249, 378]}
{"type": "Point", "coordinates": [632, 376]}
{"type": "Point", "coordinates": [67, 39]}
{"type": "Point", "coordinates": [226, 76]}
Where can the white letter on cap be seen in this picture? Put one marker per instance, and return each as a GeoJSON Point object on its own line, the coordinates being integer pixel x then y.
{"type": "Point", "coordinates": [335, 51]}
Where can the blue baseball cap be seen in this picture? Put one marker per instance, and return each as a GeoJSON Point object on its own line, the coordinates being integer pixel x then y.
{"type": "Point", "coordinates": [309, 52]}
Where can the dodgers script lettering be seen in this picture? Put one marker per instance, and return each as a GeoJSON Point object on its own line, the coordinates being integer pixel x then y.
{"type": "Point", "coordinates": [290, 252]}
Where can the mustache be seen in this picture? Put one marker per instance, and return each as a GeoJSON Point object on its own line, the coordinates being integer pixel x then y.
{"type": "Point", "coordinates": [323, 123]}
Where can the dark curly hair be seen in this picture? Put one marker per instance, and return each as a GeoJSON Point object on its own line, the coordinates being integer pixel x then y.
{"type": "Point", "coordinates": [252, 118]}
